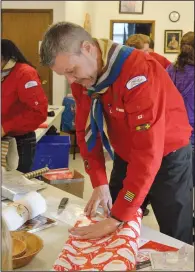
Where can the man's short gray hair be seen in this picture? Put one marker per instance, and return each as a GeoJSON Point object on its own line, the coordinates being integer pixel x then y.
{"type": "Point", "coordinates": [62, 37]}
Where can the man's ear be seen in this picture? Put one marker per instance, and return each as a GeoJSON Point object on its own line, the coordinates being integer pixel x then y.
{"type": "Point", "coordinates": [86, 46]}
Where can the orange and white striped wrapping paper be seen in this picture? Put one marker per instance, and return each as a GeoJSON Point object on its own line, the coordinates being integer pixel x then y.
{"type": "Point", "coordinates": [115, 252]}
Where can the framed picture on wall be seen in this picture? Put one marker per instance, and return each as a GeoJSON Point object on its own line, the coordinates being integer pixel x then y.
{"type": "Point", "coordinates": [131, 7]}
{"type": "Point", "coordinates": [172, 41]}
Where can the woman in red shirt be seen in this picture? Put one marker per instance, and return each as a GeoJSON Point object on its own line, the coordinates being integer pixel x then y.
{"type": "Point", "coordinates": [24, 103]}
{"type": "Point", "coordinates": [143, 43]}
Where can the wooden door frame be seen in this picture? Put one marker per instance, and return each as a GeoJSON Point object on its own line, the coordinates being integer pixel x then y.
{"type": "Point", "coordinates": [50, 12]}
{"type": "Point", "coordinates": [132, 21]}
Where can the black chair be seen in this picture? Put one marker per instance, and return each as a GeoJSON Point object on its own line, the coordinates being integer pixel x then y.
{"type": "Point", "coordinates": [74, 144]}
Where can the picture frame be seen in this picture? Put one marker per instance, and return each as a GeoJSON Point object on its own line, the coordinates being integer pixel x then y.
{"type": "Point", "coordinates": [172, 41]}
{"type": "Point", "coordinates": [131, 7]}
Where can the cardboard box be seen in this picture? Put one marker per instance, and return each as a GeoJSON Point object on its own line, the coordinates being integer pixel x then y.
{"type": "Point", "coordinates": [74, 186]}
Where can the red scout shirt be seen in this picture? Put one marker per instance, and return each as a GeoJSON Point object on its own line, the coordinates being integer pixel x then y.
{"type": "Point", "coordinates": [146, 120]}
{"type": "Point", "coordinates": [24, 103]}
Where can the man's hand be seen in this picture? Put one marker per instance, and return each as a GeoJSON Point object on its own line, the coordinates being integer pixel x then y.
{"type": "Point", "coordinates": [2, 132]}
{"type": "Point", "coordinates": [101, 196]}
{"type": "Point", "coordinates": [96, 230]}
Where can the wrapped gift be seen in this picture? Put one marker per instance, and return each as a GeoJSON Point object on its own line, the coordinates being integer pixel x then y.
{"type": "Point", "coordinates": [59, 174]}
{"type": "Point", "coordinates": [114, 252]}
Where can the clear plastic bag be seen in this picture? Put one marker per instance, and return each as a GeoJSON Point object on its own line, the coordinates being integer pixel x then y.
{"type": "Point", "coordinates": [73, 210]}
{"type": "Point", "coordinates": [181, 260]}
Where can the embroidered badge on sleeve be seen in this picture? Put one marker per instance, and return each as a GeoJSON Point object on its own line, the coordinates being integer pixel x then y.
{"type": "Point", "coordinates": [143, 127]}
{"type": "Point", "coordinates": [129, 196]}
{"type": "Point", "coordinates": [136, 81]}
{"type": "Point", "coordinates": [30, 84]}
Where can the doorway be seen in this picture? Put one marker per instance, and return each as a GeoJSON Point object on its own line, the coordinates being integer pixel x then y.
{"type": "Point", "coordinates": [120, 30]}
{"type": "Point", "coordinates": [26, 28]}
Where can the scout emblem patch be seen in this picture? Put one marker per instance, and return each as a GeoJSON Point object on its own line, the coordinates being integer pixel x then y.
{"type": "Point", "coordinates": [129, 196]}
{"type": "Point", "coordinates": [136, 81]}
{"type": "Point", "coordinates": [143, 127]}
{"type": "Point", "coordinates": [30, 84]}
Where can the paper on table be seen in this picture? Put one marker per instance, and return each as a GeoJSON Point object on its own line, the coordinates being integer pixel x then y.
{"type": "Point", "coordinates": [116, 251]}
{"type": "Point", "coordinates": [142, 242]}
{"type": "Point", "coordinates": [145, 249]}
{"type": "Point", "coordinates": [17, 213]}
{"type": "Point", "coordinates": [35, 203]}
{"type": "Point", "coordinates": [15, 216]}
{"type": "Point", "coordinates": [15, 185]}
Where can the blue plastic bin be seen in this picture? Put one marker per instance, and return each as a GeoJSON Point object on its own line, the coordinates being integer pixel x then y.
{"type": "Point", "coordinates": [53, 152]}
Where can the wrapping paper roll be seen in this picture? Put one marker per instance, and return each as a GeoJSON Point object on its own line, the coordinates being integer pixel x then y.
{"type": "Point", "coordinates": [9, 153]}
{"type": "Point", "coordinates": [36, 173]}
{"type": "Point", "coordinates": [18, 212]}
{"type": "Point", "coordinates": [114, 252]}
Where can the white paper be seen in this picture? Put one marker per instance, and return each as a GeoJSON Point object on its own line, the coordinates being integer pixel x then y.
{"type": "Point", "coordinates": [13, 219]}
{"type": "Point", "coordinates": [142, 242]}
{"type": "Point", "coordinates": [15, 185]}
{"type": "Point", "coordinates": [35, 203]}
{"type": "Point", "coordinates": [17, 213]}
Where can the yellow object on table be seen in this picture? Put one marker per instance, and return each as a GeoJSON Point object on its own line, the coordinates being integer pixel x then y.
{"type": "Point", "coordinates": [18, 248]}
{"type": "Point", "coordinates": [34, 244]}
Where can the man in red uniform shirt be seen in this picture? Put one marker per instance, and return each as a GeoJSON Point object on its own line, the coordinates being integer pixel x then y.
{"type": "Point", "coordinates": [134, 106]}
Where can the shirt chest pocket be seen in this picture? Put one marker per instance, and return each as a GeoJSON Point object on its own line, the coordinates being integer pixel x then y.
{"type": "Point", "coordinates": [117, 112]}
{"type": "Point", "coordinates": [140, 113]}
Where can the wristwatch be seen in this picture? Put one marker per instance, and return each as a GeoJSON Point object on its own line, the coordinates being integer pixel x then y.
{"type": "Point", "coordinates": [112, 216]}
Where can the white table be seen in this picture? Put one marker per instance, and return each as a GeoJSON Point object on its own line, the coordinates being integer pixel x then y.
{"type": "Point", "coordinates": [55, 237]}
{"type": "Point", "coordinates": [55, 120]}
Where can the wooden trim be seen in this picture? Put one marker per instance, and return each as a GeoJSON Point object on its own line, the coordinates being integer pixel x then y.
{"type": "Point", "coordinates": [50, 12]}
{"type": "Point", "coordinates": [132, 21]}
{"type": "Point", "coordinates": [28, 10]}
{"type": "Point", "coordinates": [142, 11]}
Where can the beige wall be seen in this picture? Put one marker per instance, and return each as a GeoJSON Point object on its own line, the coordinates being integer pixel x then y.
{"type": "Point", "coordinates": [75, 11]}
{"type": "Point", "coordinates": [159, 11]}
{"type": "Point", "coordinates": [102, 12]}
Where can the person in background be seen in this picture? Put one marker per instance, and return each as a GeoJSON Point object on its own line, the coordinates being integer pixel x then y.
{"type": "Point", "coordinates": [151, 46]}
{"type": "Point", "coordinates": [182, 75]}
{"type": "Point", "coordinates": [143, 43]}
{"type": "Point", "coordinates": [6, 247]}
{"type": "Point", "coordinates": [24, 103]}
